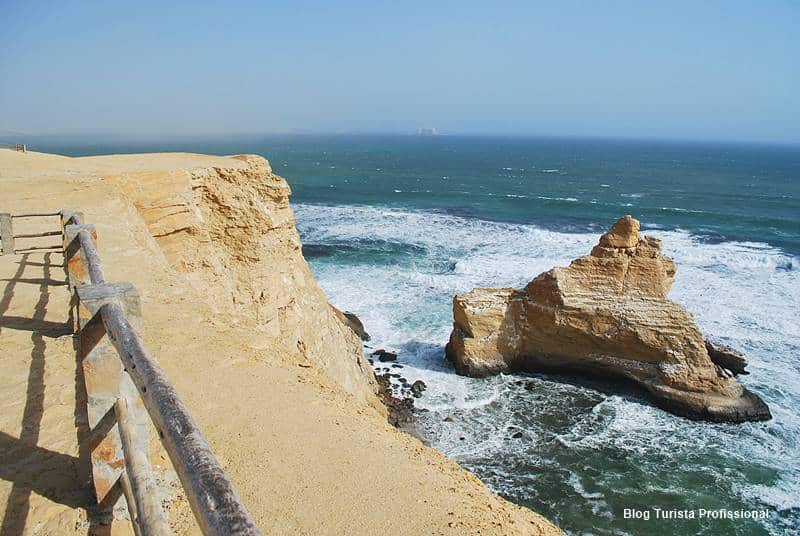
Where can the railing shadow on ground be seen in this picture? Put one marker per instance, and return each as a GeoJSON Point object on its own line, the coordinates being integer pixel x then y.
{"type": "Point", "coordinates": [121, 392]}
{"type": "Point", "coordinates": [29, 467]}
{"type": "Point", "coordinates": [59, 477]}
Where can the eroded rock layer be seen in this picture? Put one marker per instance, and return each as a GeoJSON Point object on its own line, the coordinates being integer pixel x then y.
{"type": "Point", "coordinates": [607, 314]}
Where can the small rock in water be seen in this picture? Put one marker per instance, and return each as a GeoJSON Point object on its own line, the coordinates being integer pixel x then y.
{"type": "Point", "coordinates": [397, 365]}
{"type": "Point", "coordinates": [384, 356]}
{"type": "Point", "coordinates": [448, 419]}
{"type": "Point", "coordinates": [529, 386]}
{"type": "Point", "coordinates": [517, 435]}
{"type": "Point", "coordinates": [417, 388]}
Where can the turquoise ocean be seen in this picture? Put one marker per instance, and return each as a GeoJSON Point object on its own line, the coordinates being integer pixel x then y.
{"type": "Point", "coordinates": [394, 226]}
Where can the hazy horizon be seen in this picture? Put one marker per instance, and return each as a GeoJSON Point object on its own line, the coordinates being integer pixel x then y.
{"type": "Point", "coordinates": [717, 72]}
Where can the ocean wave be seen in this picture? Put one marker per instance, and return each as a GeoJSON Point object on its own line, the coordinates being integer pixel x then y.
{"type": "Point", "coordinates": [570, 199]}
{"type": "Point", "coordinates": [679, 209]}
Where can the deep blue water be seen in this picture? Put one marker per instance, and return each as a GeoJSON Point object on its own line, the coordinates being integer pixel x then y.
{"type": "Point", "coordinates": [394, 226]}
{"type": "Point", "coordinates": [716, 191]}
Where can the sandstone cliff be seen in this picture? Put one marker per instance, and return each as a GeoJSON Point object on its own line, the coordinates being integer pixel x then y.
{"type": "Point", "coordinates": [230, 231]}
{"type": "Point", "coordinates": [274, 379]}
{"type": "Point", "coordinates": [608, 315]}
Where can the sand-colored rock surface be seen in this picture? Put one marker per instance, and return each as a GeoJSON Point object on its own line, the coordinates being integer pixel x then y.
{"type": "Point", "coordinates": [607, 314]}
{"type": "Point", "coordinates": [276, 382]}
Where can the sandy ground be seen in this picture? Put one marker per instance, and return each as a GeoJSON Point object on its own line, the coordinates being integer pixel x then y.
{"type": "Point", "coordinates": [304, 456]}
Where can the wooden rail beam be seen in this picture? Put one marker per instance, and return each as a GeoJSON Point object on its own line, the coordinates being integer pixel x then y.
{"type": "Point", "coordinates": [148, 515]}
{"type": "Point", "coordinates": [81, 259]}
{"type": "Point", "coordinates": [125, 484]}
{"type": "Point", "coordinates": [216, 506]}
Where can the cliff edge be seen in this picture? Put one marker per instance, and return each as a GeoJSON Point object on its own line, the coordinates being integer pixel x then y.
{"type": "Point", "coordinates": [231, 311]}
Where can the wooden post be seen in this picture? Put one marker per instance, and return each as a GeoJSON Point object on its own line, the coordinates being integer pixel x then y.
{"type": "Point", "coordinates": [148, 516]}
{"type": "Point", "coordinates": [75, 261]}
{"type": "Point", "coordinates": [105, 382]}
{"type": "Point", "coordinates": [6, 234]}
{"type": "Point", "coordinates": [70, 216]}
{"type": "Point", "coordinates": [125, 484]}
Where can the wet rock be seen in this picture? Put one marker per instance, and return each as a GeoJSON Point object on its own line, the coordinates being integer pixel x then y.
{"type": "Point", "coordinates": [384, 356]}
{"type": "Point", "coordinates": [417, 388]}
{"type": "Point", "coordinates": [727, 357]}
{"type": "Point", "coordinates": [400, 410]}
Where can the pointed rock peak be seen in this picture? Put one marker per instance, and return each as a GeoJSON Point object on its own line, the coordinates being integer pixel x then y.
{"type": "Point", "coordinates": [624, 234]}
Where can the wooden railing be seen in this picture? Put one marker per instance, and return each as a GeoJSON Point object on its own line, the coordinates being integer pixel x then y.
{"type": "Point", "coordinates": [126, 390]}
{"type": "Point", "coordinates": [7, 237]}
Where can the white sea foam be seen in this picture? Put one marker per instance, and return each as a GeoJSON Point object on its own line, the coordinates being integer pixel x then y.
{"type": "Point", "coordinates": [570, 199]}
{"type": "Point", "coordinates": [741, 293]}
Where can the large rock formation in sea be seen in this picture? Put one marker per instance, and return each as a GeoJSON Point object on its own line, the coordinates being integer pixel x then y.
{"type": "Point", "coordinates": [607, 314]}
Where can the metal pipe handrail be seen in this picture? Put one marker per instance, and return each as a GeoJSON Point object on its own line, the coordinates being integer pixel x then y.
{"type": "Point", "coordinates": [217, 508]}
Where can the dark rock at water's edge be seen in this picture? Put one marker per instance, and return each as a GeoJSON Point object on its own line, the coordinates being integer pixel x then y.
{"type": "Point", "coordinates": [417, 388]}
{"type": "Point", "coordinates": [384, 356]}
{"type": "Point", "coordinates": [351, 321]}
{"type": "Point", "coordinates": [400, 408]}
{"type": "Point", "coordinates": [356, 325]}
{"type": "Point", "coordinates": [727, 357]}
{"type": "Point", "coordinates": [606, 315]}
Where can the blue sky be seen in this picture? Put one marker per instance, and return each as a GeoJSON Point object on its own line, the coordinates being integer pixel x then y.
{"type": "Point", "coordinates": [724, 70]}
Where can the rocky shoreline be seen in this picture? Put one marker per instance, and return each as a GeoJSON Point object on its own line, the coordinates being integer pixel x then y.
{"type": "Point", "coordinates": [395, 391]}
